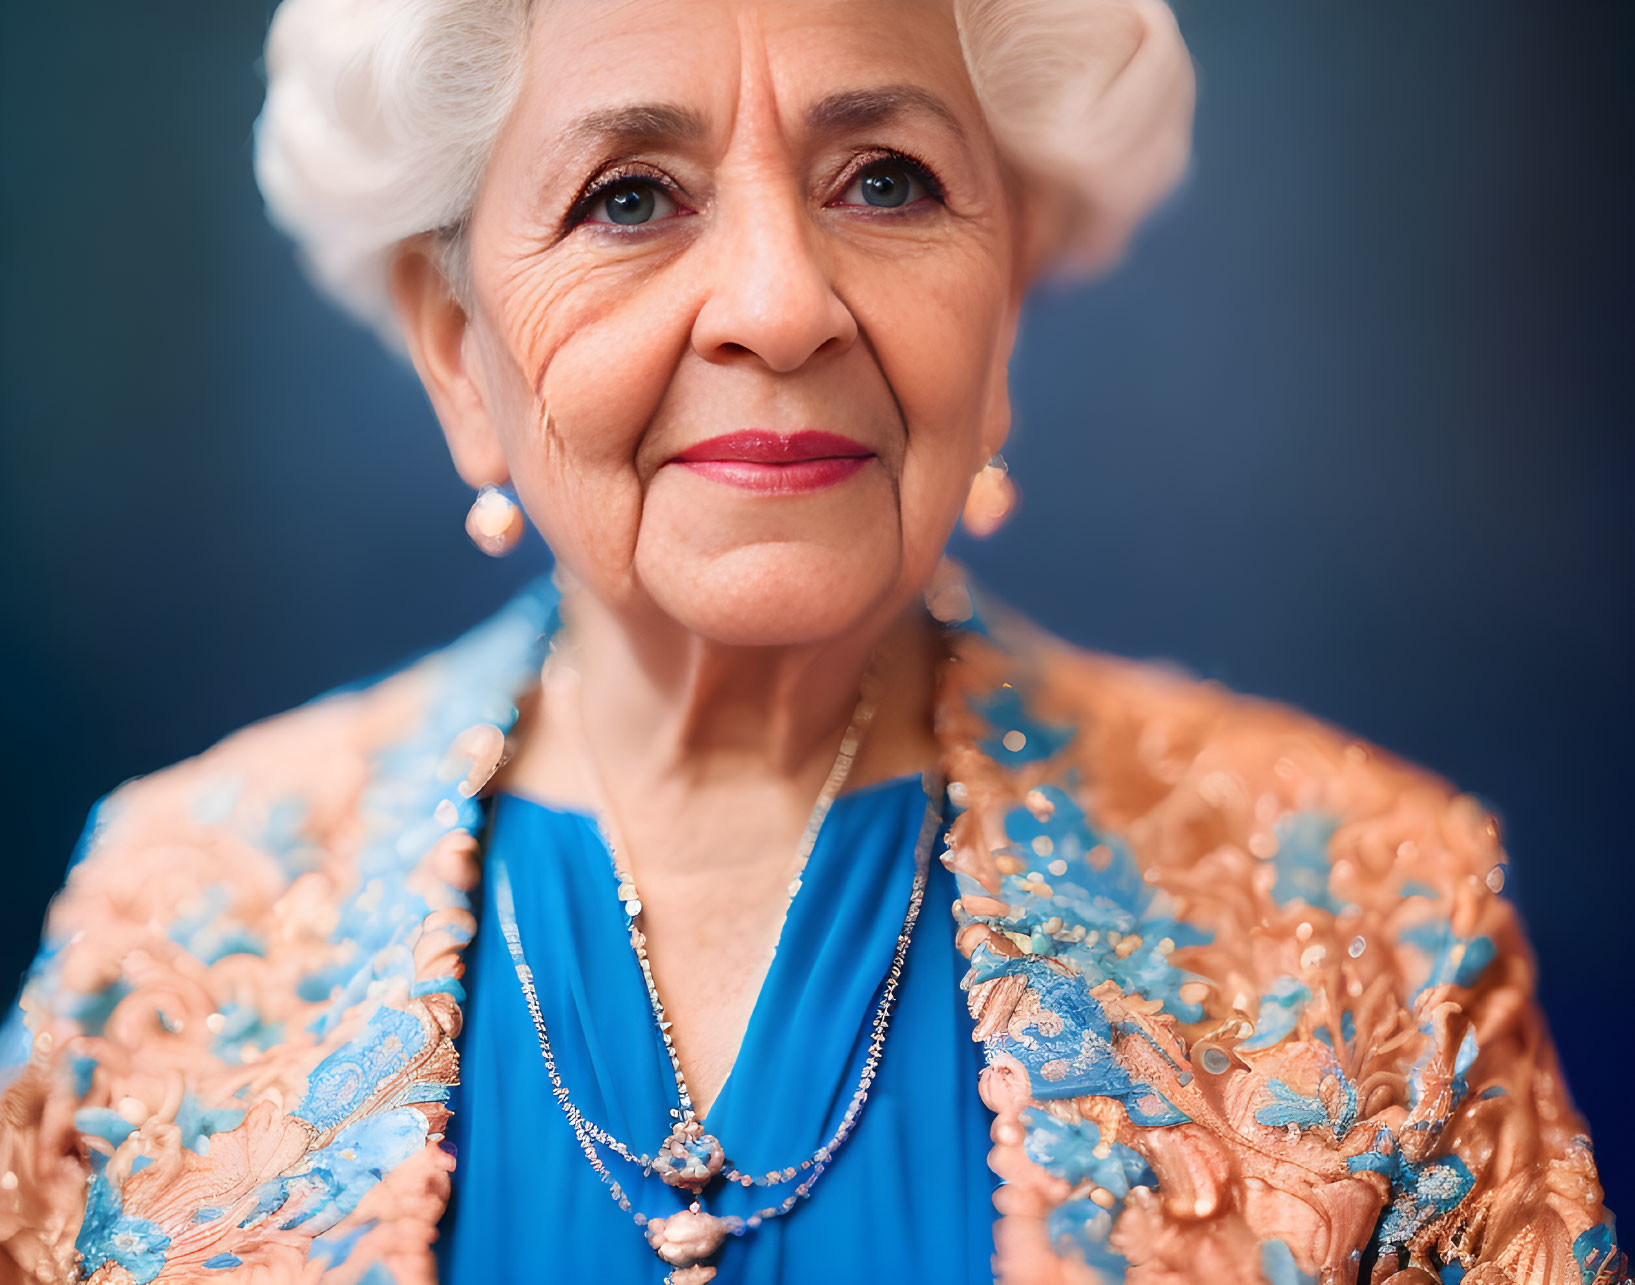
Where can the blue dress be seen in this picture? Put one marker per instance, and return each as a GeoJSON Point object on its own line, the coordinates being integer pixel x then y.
{"type": "Point", "coordinates": [909, 1195]}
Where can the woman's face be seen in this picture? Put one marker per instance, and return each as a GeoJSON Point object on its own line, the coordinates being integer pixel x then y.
{"type": "Point", "coordinates": [744, 285]}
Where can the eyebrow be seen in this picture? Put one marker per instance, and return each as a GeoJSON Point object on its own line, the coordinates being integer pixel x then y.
{"type": "Point", "coordinates": [641, 125]}
{"type": "Point", "coordinates": [853, 109]}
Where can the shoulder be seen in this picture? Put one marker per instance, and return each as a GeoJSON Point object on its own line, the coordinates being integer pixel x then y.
{"type": "Point", "coordinates": [304, 771]}
{"type": "Point", "coordinates": [316, 753]}
{"type": "Point", "coordinates": [1264, 961]}
{"type": "Point", "coordinates": [1172, 760]}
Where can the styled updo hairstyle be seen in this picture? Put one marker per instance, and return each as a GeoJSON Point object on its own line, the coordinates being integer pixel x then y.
{"type": "Point", "coordinates": [380, 117]}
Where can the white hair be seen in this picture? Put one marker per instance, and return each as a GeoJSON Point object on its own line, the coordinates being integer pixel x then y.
{"type": "Point", "coordinates": [380, 117]}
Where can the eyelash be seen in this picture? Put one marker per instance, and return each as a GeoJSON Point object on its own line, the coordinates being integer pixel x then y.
{"type": "Point", "coordinates": [913, 164]}
{"type": "Point", "coordinates": [604, 183]}
{"type": "Point", "coordinates": [600, 186]}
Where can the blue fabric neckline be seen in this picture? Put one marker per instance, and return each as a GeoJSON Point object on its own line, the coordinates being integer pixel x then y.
{"type": "Point", "coordinates": [816, 940]}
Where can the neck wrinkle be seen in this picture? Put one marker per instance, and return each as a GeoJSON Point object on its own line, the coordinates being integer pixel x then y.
{"type": "Point", "coordinates": [701, 711]}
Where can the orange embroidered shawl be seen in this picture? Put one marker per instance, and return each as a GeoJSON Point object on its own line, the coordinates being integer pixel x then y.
{"type": "Point", "coordinates": [1253, 1007]}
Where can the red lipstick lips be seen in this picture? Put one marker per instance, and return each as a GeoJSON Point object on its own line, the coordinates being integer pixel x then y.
{"type": "Point", "coordinates": [755, 460]}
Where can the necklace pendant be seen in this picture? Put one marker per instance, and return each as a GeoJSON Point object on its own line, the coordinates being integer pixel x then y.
{"type": "Point", "coordinates": [689, 1157]}
{"type": "Point", "coordinates": [685, 1239]}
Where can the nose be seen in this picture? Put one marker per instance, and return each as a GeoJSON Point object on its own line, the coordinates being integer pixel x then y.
{"type": "Point", "coordinates": [768, 293]}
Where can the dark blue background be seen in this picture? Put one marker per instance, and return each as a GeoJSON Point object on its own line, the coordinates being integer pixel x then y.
{"type": "Point", "coordinates": [1353, 428]}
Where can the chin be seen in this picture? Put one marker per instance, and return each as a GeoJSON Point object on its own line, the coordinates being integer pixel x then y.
{"type": "Point", "coordinates": [784, 594]}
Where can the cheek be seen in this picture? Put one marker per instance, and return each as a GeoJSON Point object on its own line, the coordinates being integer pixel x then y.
{"type": "Point", "coordinates": [936, 336]}
{"type": "Point", "coordinates": [593, 357]}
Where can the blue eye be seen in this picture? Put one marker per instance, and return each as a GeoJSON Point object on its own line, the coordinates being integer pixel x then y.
{"type": "Point", "coordinates": [627, 202]}
{"type": "Point", "coordinates": [891, 183]}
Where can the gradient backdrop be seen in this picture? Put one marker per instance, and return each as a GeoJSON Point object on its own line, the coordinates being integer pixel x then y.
{"type": "Point", "coordinates": [1353, 428]}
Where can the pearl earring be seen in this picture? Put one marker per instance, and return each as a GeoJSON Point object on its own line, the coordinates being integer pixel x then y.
{"type": "Point", "coordinates": [494, 522]}
{"type": "Point", "coordinates": [991, 501]}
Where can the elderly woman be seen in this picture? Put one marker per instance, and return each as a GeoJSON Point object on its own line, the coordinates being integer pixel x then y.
{"type": "Point", "coordinates": [615, 939]}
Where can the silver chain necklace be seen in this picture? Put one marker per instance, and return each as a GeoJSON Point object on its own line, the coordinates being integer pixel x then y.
{"type": "Point", "coordinates": [689, 1159]}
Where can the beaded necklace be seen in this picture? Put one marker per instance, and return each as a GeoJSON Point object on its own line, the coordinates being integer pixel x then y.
{"type": "Point", "coordinates": [689, 1159]}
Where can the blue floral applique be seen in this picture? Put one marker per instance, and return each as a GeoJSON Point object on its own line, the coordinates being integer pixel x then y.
{"type": "Point", "coordinates": [108, 1234]}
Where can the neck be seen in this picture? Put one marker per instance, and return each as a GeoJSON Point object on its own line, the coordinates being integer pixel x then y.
{"type": "Point", "coordinates": [668, 706]}
{"type": "Point", "coordinates": [666, 713]}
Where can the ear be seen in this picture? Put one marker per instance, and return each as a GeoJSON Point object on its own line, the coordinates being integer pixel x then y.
{"type": "Point", "coordinates": [437, 331]}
